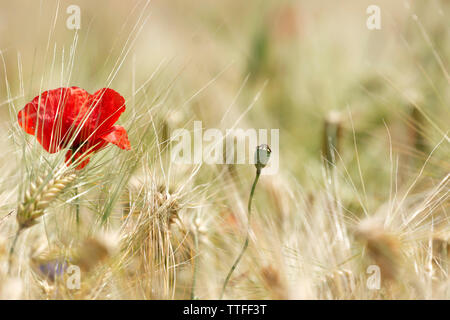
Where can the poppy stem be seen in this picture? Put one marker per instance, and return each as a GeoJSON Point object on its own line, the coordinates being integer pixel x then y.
{"type": "Point", "coordinates": [11, 251]}
{"type": "Point", "coordinates": [244, 248]}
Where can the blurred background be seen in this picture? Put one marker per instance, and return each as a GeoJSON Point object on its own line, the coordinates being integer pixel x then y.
{"type": "Point", "coordinates": [316, 56]}
{"type": "Point", "coordinates": [366, 101]}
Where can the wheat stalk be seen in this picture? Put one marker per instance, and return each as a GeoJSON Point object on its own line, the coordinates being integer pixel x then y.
{"type": "Point", "coordinates": [37, 198]}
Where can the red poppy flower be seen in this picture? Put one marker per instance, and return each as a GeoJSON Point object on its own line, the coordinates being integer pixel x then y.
{"type": "Point", "coordinates": [71, 117]}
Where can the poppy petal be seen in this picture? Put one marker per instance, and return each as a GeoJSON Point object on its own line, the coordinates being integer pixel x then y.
{"type": "Point", "coordinates": [118, 136]}
{"type": "Point", "coordinates": [106, 106]}
{"type": "Point", "coordinates": [56, 116]}
{"type": "Point", "coordinates": [51, 115]}
{"type": "Point", "coordinates": [27, 119]}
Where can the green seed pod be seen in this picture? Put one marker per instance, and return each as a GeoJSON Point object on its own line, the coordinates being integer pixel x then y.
{"type": "Point", "coordinates": [262, 156]}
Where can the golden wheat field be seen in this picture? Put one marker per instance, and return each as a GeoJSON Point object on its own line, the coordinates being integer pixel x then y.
{"type": "Point", "coordinates": [345, 197]}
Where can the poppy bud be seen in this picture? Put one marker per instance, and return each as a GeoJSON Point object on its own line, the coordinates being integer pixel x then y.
{"type": "Point", "coordinates": [262, 156]}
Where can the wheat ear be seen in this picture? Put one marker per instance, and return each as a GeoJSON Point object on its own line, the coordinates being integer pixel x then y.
{"type": "Point", "coordinates": [37, 198]}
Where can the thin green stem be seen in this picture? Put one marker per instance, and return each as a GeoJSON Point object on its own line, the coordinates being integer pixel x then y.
{"type": "Point", "coordinates": [247, 237]}
{"type": "Point", "coordinates": [77, 209]}
{"type": "Point", "coordinates": [195, 261]}
{"type": "Point", "coordinates": [11, 251]}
